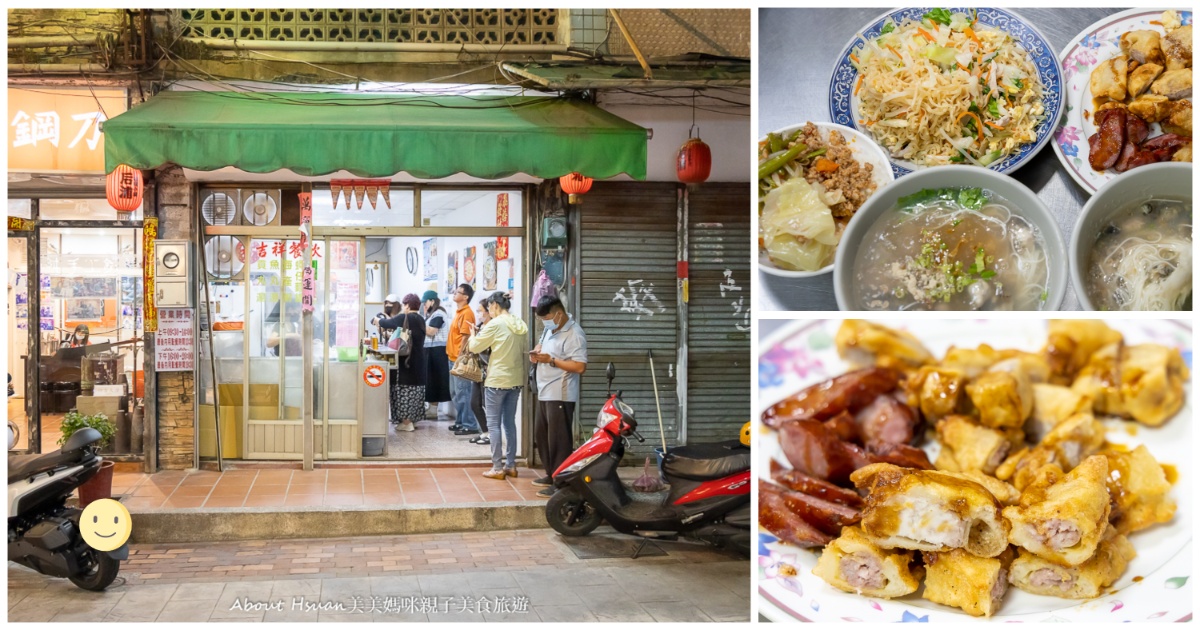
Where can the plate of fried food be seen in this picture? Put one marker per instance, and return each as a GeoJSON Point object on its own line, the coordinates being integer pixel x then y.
{"type": "Point", "coordinates": [976, 470]}
{"type": "Point", "coordinates": [1128, 86]}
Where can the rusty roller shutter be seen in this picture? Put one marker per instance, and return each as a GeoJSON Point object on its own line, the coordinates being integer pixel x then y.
{"type": "Point", "coordinates": [718, 371]}
{"type": "Point", "coordinates": [628, 300]}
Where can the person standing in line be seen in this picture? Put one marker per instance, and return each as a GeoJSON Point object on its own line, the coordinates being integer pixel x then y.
{"type": "Point", "coordinates": [482, 318]}
{"type": "Point", "coordinates": [561, 357]}
{"type": "Point", "coordinates": [460, 388]}
{"type": "Point", "coordinates": [504, 335]}
{"type": "Point", "coordinates": [437, 332]}
{"type": "Point", "coordinates": [408, 388]}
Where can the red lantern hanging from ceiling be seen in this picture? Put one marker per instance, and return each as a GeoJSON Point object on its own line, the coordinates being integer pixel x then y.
{"type": "Point", "coordinates": [693, 163]}
{"type": "Point", "coordinates": [123, 187]}
{"type": "Point", "coordinates": [575, 185]}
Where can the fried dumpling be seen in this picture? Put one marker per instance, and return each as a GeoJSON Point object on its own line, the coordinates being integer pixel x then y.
{"type": "Point", "coordinates": [927, 510]}
{"type": "Point", "coordinates": [1075, 438]}
{"type": "Point", "coordinates": [971, 362]}
{"type": "Point", "coordinates": [939, 391]}
{"type": "Point", "coordinates": [1143, 46]}
{"type": "Point", "coordinates": [1064, 520]}
{"type": "Point", "coordinates": [865, 344]}
{"type": "Point", "coordinates": [1138, 487]}
{"type": "Point", "coordinates": [1053, 404]}
{"type": "Point", "coordinates": [1100, 380]}
{"type": "Point", "coordinates": [1088, 580]}
{"type": "Point", "coordinates": [1109, 78]}
{"type": "Point", "coordinates": [1072, 342]}
{"type": "Point", "coordinates": [1004, 492]}
{"type": "Point", "coordinates": [1004, 399]}
{"type": "Point", "coordinates": [970, 446]}
{"type": "Point", "coordinates": [852, 563]}
{"type": "Point", "coordinates": [959, 579]}
{"type": "Point", "coordinates": [1177, 46]}
{"type": "Point", "coordinates": [1152, 378]}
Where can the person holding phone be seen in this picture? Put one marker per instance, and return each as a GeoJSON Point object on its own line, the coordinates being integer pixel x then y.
{"type": "Point", "coordinates": [560, 358]}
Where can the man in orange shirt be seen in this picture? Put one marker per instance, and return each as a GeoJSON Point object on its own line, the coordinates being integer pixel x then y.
{"type": "Point", "coordinates": [465, 422]}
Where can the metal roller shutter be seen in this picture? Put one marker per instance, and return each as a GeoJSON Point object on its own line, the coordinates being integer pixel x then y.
{"type": "Point", "coordinates": [718, 364]}
{"type": "Point", "coordinates": [628, 242]}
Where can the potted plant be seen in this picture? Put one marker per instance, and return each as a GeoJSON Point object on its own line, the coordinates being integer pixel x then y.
{"type": "Point", "coordinates": [100, 485]}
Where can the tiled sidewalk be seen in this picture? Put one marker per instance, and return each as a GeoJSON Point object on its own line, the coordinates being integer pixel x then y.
{"type": "Point", "coordinates": [324, 487]}
{"type": "Point", "coordinates": [202, 582]}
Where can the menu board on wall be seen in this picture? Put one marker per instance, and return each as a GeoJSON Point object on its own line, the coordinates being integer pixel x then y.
{"type": "Point", "coordinates": [174, 350]}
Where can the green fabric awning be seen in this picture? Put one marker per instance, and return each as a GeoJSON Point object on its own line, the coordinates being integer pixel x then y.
{"type": "Point", "coordinates": [429, 137]}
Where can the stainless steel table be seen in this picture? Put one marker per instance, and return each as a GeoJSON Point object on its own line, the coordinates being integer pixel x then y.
{"type": "Point", "coordinates": [796, 53]}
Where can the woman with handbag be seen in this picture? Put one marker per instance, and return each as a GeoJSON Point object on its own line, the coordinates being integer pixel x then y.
{"type": "Point", "coordinates": [505, 336]}
{"type": "Point", "coordinates": [481, 316]}
{"type": "Point", "coordinates": [411, 373]}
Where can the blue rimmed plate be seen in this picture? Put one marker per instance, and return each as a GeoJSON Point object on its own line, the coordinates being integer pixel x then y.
{"type": "Point", "coordinates": [843, 105]}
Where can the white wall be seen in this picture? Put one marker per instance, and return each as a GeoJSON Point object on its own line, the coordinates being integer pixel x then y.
{"type": "Point", "coordinates": [727, 134]}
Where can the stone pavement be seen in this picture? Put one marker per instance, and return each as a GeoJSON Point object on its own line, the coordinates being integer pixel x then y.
{"type": "Point", "coordinates": [527, 575]}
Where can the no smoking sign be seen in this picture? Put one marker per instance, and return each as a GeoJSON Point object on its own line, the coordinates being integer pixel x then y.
{"type": "Point", "coordinates": [373, 375]}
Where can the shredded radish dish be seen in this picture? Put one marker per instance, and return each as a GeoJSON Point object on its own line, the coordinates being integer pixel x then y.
{"type": "Point", "coordinates": [946, 89]}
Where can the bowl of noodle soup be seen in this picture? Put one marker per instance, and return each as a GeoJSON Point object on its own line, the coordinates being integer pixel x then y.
{"type": "Point", "coordinates": [952, 238]}
{"type": "Point", "coordinates": [1131, 248]}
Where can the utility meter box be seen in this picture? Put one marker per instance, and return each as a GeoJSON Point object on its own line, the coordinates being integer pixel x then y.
{"type": "Point", "coordinates": [554, 232]}
{"type": "Point", "coordinates": [173, 274]}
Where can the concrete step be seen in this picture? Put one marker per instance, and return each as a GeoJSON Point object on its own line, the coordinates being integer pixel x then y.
{"type": "Point", "coordinates": [277, 523]}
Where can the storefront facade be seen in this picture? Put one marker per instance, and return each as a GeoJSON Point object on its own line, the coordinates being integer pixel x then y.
{"type": "Point", "coordinates": [75, 271]}
{"type": "Point", "coordinates": [415, 202]}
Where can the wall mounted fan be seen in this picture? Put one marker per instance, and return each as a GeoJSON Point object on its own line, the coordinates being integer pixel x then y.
{"type": "Point", "coordinates": [225, 256]}
{"type": "Point", "coordinates": [260, 208]}
{"type": "Point", "coordinates": [219, 208]}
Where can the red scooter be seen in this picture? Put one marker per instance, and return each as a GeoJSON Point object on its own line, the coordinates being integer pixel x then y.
{"type": "Point", "coordinates": [708, 498]}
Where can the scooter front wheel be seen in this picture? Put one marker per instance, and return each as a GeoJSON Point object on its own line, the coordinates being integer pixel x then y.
{"type": "Point", "coordinates": [570, 514]}
{"type": "Point", "coordinates": [102, 573]}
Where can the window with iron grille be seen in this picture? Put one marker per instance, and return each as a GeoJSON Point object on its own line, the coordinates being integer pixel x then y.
{"type": "Point", "coordinates": [486, 27]}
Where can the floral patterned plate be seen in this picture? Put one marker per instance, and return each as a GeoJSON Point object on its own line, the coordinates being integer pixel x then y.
{"type": "Point", "coordinates": [843, 105]}
{"type": "Point", "coordinates": [1096, 44]}
{"type": "Point", "coordinates": [1155, 586]}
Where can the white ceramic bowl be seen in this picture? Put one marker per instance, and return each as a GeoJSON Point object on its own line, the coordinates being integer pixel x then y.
{"type": "Point", "coordinates": [1165, 179]}
{"type": "Point", "coordinates": [1031, 208]}
{"type": "Point", "coordinates": [866, 151]}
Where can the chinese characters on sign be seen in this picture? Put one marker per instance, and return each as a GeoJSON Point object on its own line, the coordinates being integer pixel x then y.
{"type": "Point", "coordinates": [639, 299]}
{"type": "Point", "coordinates": [308, 284]}
{"type": "Point", "coordinates": [174, 350]}
{"type": "Point", "coordinates": [149, 234]}
{"type": "Point", "coordinates": [58, 130]}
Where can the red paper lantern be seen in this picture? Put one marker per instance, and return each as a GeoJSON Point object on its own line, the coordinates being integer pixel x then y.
{"type": "Point", "coordinates": [693, 163]}
{"type": "Point", "coordinates": [575, 185]}
{"type": "Point", "coordinates": [123, 187]}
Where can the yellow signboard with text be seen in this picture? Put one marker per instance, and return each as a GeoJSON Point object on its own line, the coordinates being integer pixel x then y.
{"type": "Point", "coordinates": [57, 130]}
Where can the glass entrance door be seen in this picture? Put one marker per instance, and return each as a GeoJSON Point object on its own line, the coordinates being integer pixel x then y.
{"type": "Point", "coordinates": [19, 372]}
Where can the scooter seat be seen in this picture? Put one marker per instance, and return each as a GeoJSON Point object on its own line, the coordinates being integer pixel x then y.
{"type": "Point", "coordinates": [25, 466]}
{"type": "Point", "coordinates": [701, 462]}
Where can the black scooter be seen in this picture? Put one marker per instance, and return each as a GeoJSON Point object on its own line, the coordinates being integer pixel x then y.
{"type": "Point", "coordinates": [709, 497]}
{"type": "Point", "coordinates": [43, 533]}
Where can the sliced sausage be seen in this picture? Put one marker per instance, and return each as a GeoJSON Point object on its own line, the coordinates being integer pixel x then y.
{"type": "Point", "coordinates": [849, 392]}
{"type": "Point", "coordinates": [800, 482]}
{"type": "Point", "coordinates": [776, 518]}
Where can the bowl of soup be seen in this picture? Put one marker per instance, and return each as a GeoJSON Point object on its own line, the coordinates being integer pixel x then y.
{"type": "Point", "coordinates": [952, 238]}
{"type": "Point", "coordinates": [1132, 245]}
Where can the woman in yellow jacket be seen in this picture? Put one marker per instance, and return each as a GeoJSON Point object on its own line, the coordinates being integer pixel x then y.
{"type": "Point", "coordinates": [505, 335]}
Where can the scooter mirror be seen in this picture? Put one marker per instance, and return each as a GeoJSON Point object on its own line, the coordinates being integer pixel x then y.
{"type": "Point", "coordinates": [610, 373]}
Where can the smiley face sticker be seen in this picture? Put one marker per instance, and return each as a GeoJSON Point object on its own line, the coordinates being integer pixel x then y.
{"type": "Point", "coordinates": [105, 524]}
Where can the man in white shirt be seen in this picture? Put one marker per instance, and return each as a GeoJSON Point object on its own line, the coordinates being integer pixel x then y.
{"type": "Point", "coordinates": [561, 357]}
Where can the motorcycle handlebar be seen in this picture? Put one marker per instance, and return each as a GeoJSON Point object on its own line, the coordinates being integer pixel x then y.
{"type": "Point", "coordinates": [637, 435]}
